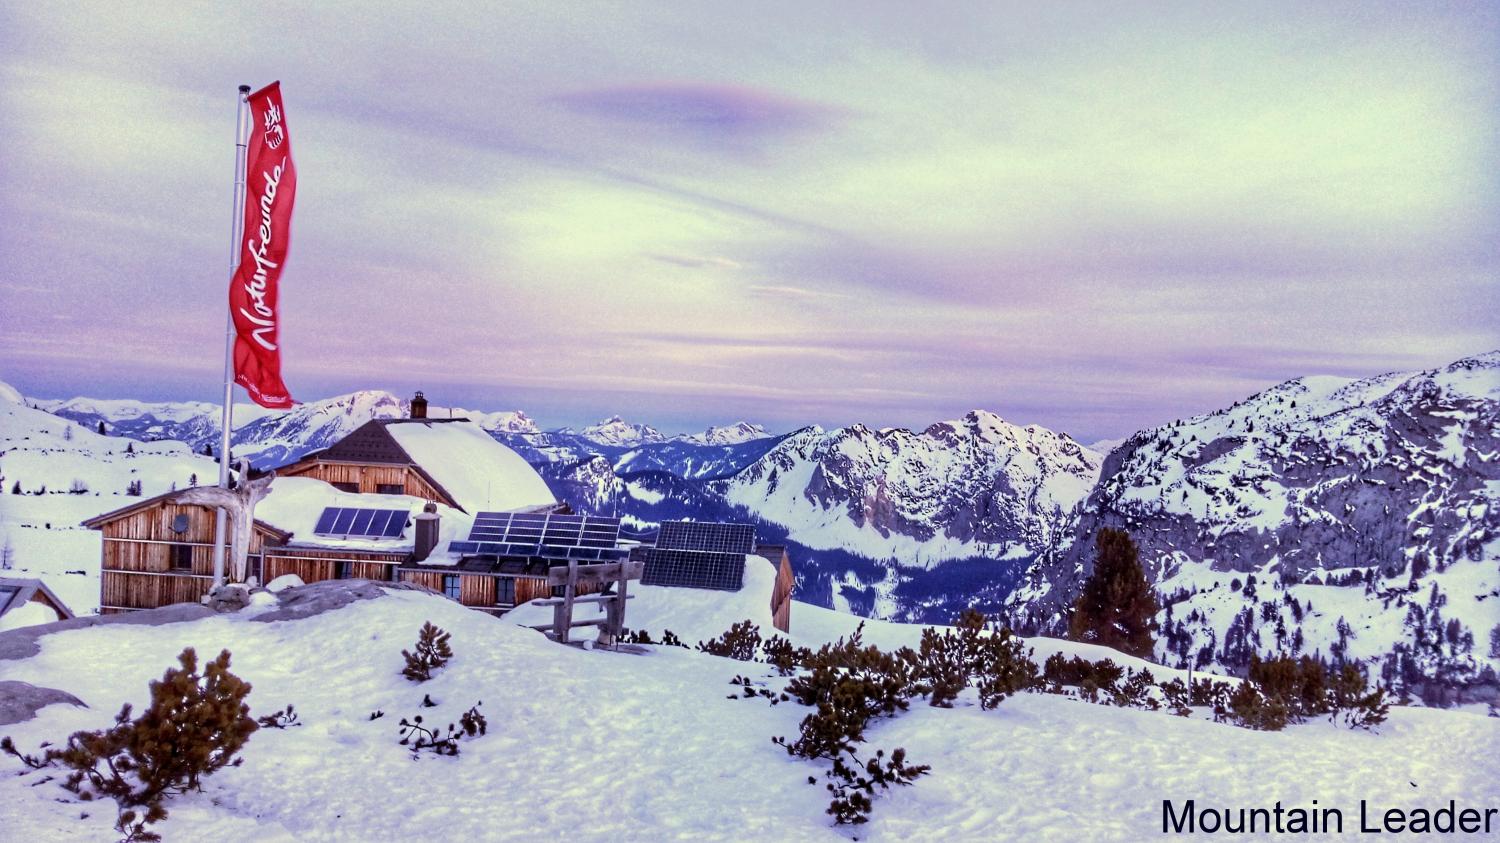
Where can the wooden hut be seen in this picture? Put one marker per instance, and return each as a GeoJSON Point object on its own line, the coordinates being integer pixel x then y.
{"type": "Point", "coordinates": [157, 552]}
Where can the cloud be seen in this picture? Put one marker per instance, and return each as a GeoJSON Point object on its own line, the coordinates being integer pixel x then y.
{"type": "Point", "coordinates": [700, 108]}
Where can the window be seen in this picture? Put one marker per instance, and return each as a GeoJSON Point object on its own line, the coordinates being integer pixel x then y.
{"type": "Point", "coordinates": [390, 488]}
{"type": "Point", "coordinates": [451, 587]}
{"type": "Point", "coordinates": [182, 557]}
{"type": "Point", "coordinates": [505, 591]}
{"type": "Point", "coordinates": [346, 487]}
{"type": "Point", "coordinates": [343, 569]}
{"type": "Point", "coordinates": [559, 591]}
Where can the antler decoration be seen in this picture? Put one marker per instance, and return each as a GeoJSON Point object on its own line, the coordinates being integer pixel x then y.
{"type": "Point", "coordinates": [240, 503]}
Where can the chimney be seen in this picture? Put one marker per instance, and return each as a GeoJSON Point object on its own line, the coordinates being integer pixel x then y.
{"type": "Point", "coordinates": [426, 537]}
{"type": "Point", "coordinates": [419, 406]}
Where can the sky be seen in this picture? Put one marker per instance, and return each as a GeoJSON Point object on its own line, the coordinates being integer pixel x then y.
{"type": "Point", "coordinates": [1091, 217]}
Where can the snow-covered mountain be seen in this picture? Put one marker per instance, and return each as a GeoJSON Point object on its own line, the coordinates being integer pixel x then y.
{"type": "Point", "coordinates": [974, 487]}
{"type": "Point", "coordinates": [728, 434]}
{"type": "Point", "coordinates": [616, 432]}
{"type": "Point", "coordinates": [1376, 502]}
{"type": "Point", "coordinates": [891, 523]}
{"type": "Point", "coordinates": [265, 437]}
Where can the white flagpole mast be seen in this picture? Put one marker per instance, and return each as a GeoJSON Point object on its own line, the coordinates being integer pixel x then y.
{"type": "Point", "coordinates": [236, 222]}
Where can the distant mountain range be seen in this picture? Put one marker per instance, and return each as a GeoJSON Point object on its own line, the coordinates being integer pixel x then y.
{"type": "Point", "coordinates": [1373, 505]}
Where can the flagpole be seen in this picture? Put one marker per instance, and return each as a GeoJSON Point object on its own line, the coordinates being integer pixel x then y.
{"type": "Point", "coordinates": [236, 222]}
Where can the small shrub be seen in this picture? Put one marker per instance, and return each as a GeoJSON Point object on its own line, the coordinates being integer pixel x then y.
{"type": "Point", "coordinates": [419, 738]}
{"type": "Point", "coordinates": [852, 784]}
{"type": "Point", "coordinates": [279, 720]}
{"type": "Point", "coordinates": [739, 642]}
{"type": "Point", "coordinates": [432, 652]}
{"type": "Point", "coordinates": [195, 725]}
{"type": "Point", "coordinates": [783, 655]}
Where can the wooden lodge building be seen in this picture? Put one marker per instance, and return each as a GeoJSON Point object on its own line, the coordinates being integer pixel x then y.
{"type": "Point", "coordinates": [395, 500]}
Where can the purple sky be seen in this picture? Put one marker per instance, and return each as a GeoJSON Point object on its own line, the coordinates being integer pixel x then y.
{"type": "Point", "coordinates": [1090, 220]}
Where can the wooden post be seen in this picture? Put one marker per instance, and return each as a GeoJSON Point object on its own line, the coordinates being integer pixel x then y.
{"type": "Point", "coordinates": [569, 592]}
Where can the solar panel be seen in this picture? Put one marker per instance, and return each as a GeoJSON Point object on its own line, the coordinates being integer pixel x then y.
{"type": "Point", "coordinates": [348, 522]}
{"type": "Point", "coordinates": [549, 536]}
{"type": "Point", "coordinates": [707, 536]}
{"type": "Point", "coordinates": [694, 569]}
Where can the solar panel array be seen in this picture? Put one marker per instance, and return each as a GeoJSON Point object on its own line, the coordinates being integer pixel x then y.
{"type": "Point", "coordinates": [706, 536]}
{"type": "Point", "coordinates": [348, 522]}
{"type": "Point", "coordinates": [694, 569]}
{"type": "Point", "coordinates": [586, 538]}
{"type": "Point", "coordinates": [699, 554]}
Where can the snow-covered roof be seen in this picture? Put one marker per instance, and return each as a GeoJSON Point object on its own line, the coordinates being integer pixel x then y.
{"type": "Point", "coordinates": [479, 473]}
{"type": "Point", "coordinates": [294, 505]}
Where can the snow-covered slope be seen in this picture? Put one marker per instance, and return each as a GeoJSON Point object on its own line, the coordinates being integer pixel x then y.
{"type": "Point", "coordinates": [55, 473]}
{"type": "Point", "coordinates": [1359, 496]}
{"type": "Point", "coordinates": [652, 746]}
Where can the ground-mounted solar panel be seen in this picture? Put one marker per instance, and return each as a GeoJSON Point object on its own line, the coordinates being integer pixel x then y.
{"type": "Point", "coordinates": [694, 569]}
{"type": "Point", "coordinates": [706, 536]}
{"type": "Point", "coordinates": [350, 522]}
{"type": "Point", "coordinates": [587, 538]}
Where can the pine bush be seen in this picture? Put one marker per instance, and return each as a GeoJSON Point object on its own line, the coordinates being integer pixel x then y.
{"type": "Point", "coordinates": [739, 642]}
{"type": "Point", "coordinates": [195, 726]}
{"type": "Point", "coordinates": [432, 652]}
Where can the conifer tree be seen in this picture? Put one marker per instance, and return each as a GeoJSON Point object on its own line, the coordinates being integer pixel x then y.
{"type": "Point", "coordinates": [1117, 607]}
{"type": "Point", "coordinates": [432, 652]}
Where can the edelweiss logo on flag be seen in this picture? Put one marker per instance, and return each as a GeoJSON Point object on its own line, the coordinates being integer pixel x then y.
{"type": "Point", "coordinates": [275, 135]}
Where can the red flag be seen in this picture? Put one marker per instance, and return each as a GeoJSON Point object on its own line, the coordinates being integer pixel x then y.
{"type": "Point", "coordinates": [270, 187]}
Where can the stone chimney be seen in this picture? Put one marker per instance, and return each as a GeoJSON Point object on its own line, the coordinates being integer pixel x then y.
{"type": "Point", "coordinates": [419, 406]}
{"type": "Point", "coordinates": [426, 537]}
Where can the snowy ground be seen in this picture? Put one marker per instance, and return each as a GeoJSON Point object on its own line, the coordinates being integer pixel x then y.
{"type": "Point", "coordinates": [596, 745]}
{"type": "Point", "coordinates": [47, 542]}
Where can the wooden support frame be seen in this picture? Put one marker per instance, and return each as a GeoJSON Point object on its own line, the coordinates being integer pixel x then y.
{"type": "Point", "coordinates": [569, 578]}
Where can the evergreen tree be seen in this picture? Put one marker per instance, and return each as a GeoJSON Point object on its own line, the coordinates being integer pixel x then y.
{"type": "Point", "coordinates": [432, 652]}
{"type": "Point", "coordinates": [101, 429]}
{"type": "Point", "coordinates": [16, 489]}
{"type": "Point", "coordinates": [1117, 607]}
{"type": "Point", "coordinates": [129, 447]}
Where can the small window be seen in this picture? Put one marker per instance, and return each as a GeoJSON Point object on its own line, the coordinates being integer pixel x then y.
{"type": "Point", "coordinates": [182, 557]}
{"type": "Point", "coordinates": [451, 588]}
{"type": "Point", "coordinates": [343, 569]}
{"type": "Point", "coordinates": [559, 591]}
{"type": "Point", "coordinates": [347, 487]}
{"type": "Point", "coordinates": [505, 591]}
{"type": "Point", "coordinates": [390, 488]}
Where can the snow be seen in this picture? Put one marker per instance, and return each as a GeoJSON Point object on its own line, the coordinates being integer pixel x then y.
{"type": "Point", "coordinates": [31, 614]}
{"type": "Point", "coordinates": [284, 582]}
{"type": "Point", "coordinates": [646, 746]}
{"type": "Point", "coordinates": [294, 505]}
{"type": "Point", "coordinates": [10, 394]}
{"type": "Point", "coordinates": [480, 473]}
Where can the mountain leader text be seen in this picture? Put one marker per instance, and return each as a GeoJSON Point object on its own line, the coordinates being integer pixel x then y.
{"type": "Point", "coordinates": [1191, 818]}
